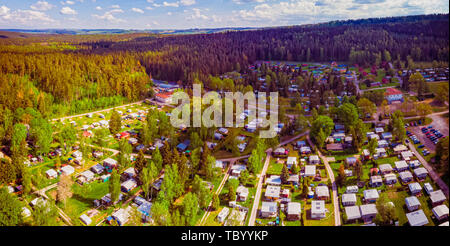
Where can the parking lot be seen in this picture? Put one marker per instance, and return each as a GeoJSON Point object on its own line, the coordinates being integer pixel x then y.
{"type": "Point", "coordinates": [428, 143]}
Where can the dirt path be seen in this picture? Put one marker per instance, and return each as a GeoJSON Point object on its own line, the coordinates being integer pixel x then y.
{"type": "Point", "coordinates": [251, 221]}
{"type": "Point", "coordinates": [337, 215]}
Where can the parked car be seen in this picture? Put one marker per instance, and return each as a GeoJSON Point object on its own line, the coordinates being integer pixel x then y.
{"type": "Point", "coordinates": [420, 146]}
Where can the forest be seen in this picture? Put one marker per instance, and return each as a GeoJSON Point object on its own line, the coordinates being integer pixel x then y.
{"type": "Point", "coordinates": [186, 57]}
{"type": "Point", "coordinates": [66, 74]}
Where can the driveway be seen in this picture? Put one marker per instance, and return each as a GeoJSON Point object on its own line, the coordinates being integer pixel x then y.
{"type": "Point", "coordinates": [337, 214]}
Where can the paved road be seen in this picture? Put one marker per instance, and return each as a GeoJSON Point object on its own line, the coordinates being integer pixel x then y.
{"type": "Point", "coordinates": [254, 211]}
{"type": "Point", "coordinates": [432, 116]}
{"type": "Point", "coordinates": [378, 88]}
{"type": "Point", "coordinates": [337, 216]}
{"type": "Point", "coordinates": [431, 172]}
{"type": "Point", "coordinates": [63, 215]}
{"type": "Point", "coordinates": [219, 189]}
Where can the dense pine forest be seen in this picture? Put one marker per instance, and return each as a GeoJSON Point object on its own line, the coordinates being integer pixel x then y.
{"type": "Point", "coordinates": [44, 77]}
{"type": "Point", "coordinates": [65, 74]}
{"type": "Point", "coordinates": [420, 38]}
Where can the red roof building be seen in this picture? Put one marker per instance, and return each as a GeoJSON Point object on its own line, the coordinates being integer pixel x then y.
{"type": "Point", "coordinates": [393, 94]}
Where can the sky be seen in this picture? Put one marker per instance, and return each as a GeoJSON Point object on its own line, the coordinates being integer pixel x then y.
{"type": "Point", "coordinates": [185, 14]}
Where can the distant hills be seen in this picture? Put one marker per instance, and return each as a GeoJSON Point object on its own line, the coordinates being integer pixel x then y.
{"type": "Point", "coordinates": [124, 31]}
{"type": "Point", "coordinates": [381, 20]}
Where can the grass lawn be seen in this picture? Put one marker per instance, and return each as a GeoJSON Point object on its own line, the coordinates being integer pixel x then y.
{"type": "Point", "coordinates": [274, 168]}
{"type": "Point", "coordinates": [327, 221]}
{"type": "Point", "coordinates": [83, 198]}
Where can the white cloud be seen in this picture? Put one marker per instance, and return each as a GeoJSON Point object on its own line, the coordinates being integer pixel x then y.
{"type": "Point", "coordinates": [175, 4]}
{"type": "Point", "coordinates": [24, 17]}
{"type": "Point", "coordinates": [108, 16]}
{"type": "Point", "coordinates": [187, 2]}
{"type": "Point", "coordinates": [98, 8]}
{"type": "Point", "coordinates": [247, 1]}
{"type": "Point", "coordinates": [115, 6]}
{"type": "Point", "coordinates": [68, 2]}
{"type": "Point", "coordinates": [216, 18]}
{"type": "Point", "coordinates": [137, 10]}
{"type": "Point", "coordinates": [314, 11]}
{"type": "Point", "coordinates": [150, 1]}
{"type": "Point", "coordinates": [169, 13]}
{"type": "Point", "coordinates": [41, 6]}
{"type": "Point", "coordinates": [197, 15]}
{"type": "Point", "coordinates": [67, 11]}
{"type": "Point", "coordinates": [4, 11]}
{"type": "Point", "coordinates": [148, 8]}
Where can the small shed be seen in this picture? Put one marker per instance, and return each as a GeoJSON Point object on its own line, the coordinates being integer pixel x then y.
{"type": "Point", "coordinates": [415, 188]}
{"type": "Point", "coordinates": [405, 176]}
{"type": "Point", "coordinates": [371, 195]}
{"type": "Point", "coordinates": [440, 212]}
{"type": "Point", "coordinates": [437, 197]}
{"type": "Point", "coordinates": [412, 203]}
{"type": "Point", "coordinates": [51, 174]}
{"type": "Point", "coordinates": [294, 209]}
{"type": "Point", "coordinates": [348, 199]}
{"type": "Point", "coordinates": [353, 213]}
{"type": "Point", "coordinates": [417, 218]}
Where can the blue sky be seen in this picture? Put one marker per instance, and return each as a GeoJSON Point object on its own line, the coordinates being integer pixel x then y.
{"type": "Point", "coordinates": [182, 14]}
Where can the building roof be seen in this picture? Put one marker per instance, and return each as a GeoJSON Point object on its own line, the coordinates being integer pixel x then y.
{"type": "Point", "coordinates": [412, 201]}
{"type": "Point", "coordinates": [86, 220]}
{"type": "Point", "coordinates": [295, 208]}
{"type": "Point", "coordinates": [405, 175]}
{"type": "Point", "coordinates": [371, 194]}
{"type": "Point", "coordinates": [401, 164]}
{"type": "Point", "coordinates": [400, 147]}
{"type": "Point", "coordinates": [310, 170]}
{"type": "Point", "coordinates": [322, 191]}
{"type": "Point", "coordinates": [417, 218]}
{"type": "Point", "coordinates": [440, 210]}
{"type": "Point", "coordinates": [313, 158]}
{"type": "Point", "coordinates": [88, 174]}
{"type": "Point", "coordinates": [415, 187]}
{"type": "Point", "coordinates": [270, 207]}
{"type": "Point", "coordinates": [335, 146]}
{"type": "Point", "coordinates": [317, 206]}
{"type": "Point", "coordinates": [437, 196]}
{"type": "Point", "coordinates": [392, 91]}
{"type": "Point", "coordinates": [352, 189]}
{"type": "Point", "coordinates": [51, 172]}
{"type": "Point", "coordinates": [110, 161]}
{"type": "Point", "coordinates": [164, 95]}
{"type": "Point", "coordinates": [385, 167]}
{"type": "Point", "coordinates": [420, 171]}
{"type": "Point", "coordinates": [368, 209]}
{"type": "Point", "coordinates": [68, 169]}
{"type": "Point", "coordinates": [376, 179]}
{"type": "Point", "coordinates": [352, 212]}
{"type": "Point", "coordinates": [390, 176]}
{"type": "Point", "coordinates": [272, 191]}
{"type": "Point", "coordinates": [348, 197]}
{"type": "Point", "coordinates": [274, 180]}
{"type": "Point", "coordinates": [293, 178]}
{"type": "Point", "coordinates": [242, 190]}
